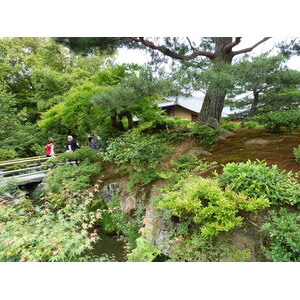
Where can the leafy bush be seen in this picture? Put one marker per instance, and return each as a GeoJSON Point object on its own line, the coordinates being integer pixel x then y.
{"type": "Point", "coordinates": [275, 121]}
{"type": "Point", "coordinates": [229, 125]}
{"type": "Point", "coordinates": [185, 166]}
{"type": "Point", "coordinates": [107, 132]}
{"type": "Point", "coordinates": [142, 152]}
{"type": "Point", "coordinates": [201, 201]}
{"type": "Point", "coordinates": [166, 123]}
{"type": "Point", "coordinates": [143, 178]}
{"type": "Point", "coordinates": [65, 178]}
{"type": "Point", "coordinates": [189, 162]}
{"type": "Point", "coordinates": [16, 166]}
{"type": "Point", "coordinates": [207, 135]}
{"type": "Point", "coordinates": [297, 154]}
{"type": "Point", "coordinates": [47, 235]}
{"type": "Point", "coordinates": [84, 155]}
{"type": "Point", "coordinates": [138, 153]}
{"type": "Point", "coordinates": [256, 179]}
{"type": "Point", "coordinates": [172, 130]}
{"type": "Point", "coordinates": [284, 232]}
{"type": "Point", "coordinates": [7, 154]}
{"type": "Point", "coordinates": [198, 248]}
{"type": "Point", "coordinates": [11, 186]}
{"type": "Point", "coordinates": [252, 125]}
{"type": "Point", "coordinates": [71, 177]}
{"type": "Point", "coordinates": [144, 251]}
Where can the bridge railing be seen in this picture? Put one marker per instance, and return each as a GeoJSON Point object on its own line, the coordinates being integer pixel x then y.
{"type": "Point", "coordinates": [35, 159]}
{"type": "Point", "coordinates": [29, 165]}
{"type": "Point", "coordinates": [29, 170]}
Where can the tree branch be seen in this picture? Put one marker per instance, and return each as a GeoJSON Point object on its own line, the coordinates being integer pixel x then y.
{"type": "Point", "coordinates": [250, 48]}
{"type": "Point", "coordinates": [191, 44]}
{"type": "Point", "coordinates": [166, 51]}
{"type": "Point", "coordinates": [229, 47]}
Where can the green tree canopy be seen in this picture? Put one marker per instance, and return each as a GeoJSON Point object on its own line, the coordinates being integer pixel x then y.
{"type": "Point", "coordinates": [117, 94]}
{"type": "Point", "coordinates": [38, 71]}
{"type": "Point", "coordinates": [191, 54]}
{"type": "Point", "coordinates": [265, 84]}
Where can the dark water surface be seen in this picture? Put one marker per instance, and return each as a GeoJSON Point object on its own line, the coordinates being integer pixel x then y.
{"type": "Point", "coordinates": [109, 245]}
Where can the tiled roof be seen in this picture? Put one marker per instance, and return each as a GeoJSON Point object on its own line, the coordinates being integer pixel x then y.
{"type": "Point", "coordinates": [192, 103]}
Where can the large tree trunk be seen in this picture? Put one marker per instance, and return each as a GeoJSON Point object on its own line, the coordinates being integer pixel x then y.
{"type": "Point", "coordinates": [213, 103]}
{"type": "Point", "coordinates": [128, 115]}
{"type": "Point", "coordinates": [115, 121]}
{"type": "Point", "coordinates": [212, 107]}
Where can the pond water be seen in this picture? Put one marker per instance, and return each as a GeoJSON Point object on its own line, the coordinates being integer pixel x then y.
{"type": "Point", "coordinates": [109, 245]}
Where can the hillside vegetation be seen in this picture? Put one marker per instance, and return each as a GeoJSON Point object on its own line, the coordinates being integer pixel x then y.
{"type": "Point", "coordinates": [164, 188]}
{"type": "Point", "coordinates": [185, 193]}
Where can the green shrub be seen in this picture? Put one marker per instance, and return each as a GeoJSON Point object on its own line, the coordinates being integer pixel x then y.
{"type": "Point", "coordinates": [275, 121]}
{"type": "Point", "coordinates": [284, 236]}
{"type": "Point", "coordinates": [84, 155]}
{"type": "Point", "coordinates": [201, 201]}
{"type": "Point", "coordinates": [167, 123]}
{"type": "Point", "coordinates": [67, 179]}
{"type": "Point", "coordinates": [229, 125]}
{"type": "Point", "coordinates": [297, 154]}
{"type": "Point", "coordinates": [138, 154]}
{"type": "Point", "coordinates": [198, 248]}
{"type": "Point", "coordinates": [140, 151]}
{"type": "Point", "coordinates": [252, 125]}
{"type": "Point", "coordinates": [106, 131]}
{"type": "Point", "coordinates": [256, 179]}
{"type": "Point", "coordinates": [172, 130]}
{"type": "Point", "coordinates": [143, 178]}
{"type": "Point", "coordinates": [207, 135]}
{"type": "Point", "coordinates": [11, 187]}
{"type": "Point", "coordinates": [6, 154]}
{"type": "Point", "coordinates": [72, 177]}
{"type": "Point", "coordinates": [144, 251]}
{"type": "Point", "coordinates": [183, 167]}
{"type": "Point", "coordinates": [47, 235]}
{"type": "Point", "coordinates": [189, 162]}
{"type": "Point", "coordinates": [16, 166]}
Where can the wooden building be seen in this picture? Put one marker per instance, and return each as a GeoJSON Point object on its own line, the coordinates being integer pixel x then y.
{"type": "Point", "coordinates": [182, 107]}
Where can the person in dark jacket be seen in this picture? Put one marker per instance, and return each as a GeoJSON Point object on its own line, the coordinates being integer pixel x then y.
{"type": "Point", "coordinates": [71, 144]}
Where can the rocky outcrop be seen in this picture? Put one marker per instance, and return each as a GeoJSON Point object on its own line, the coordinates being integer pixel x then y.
{"type": "Point", "coordinates": [197, 151]}
{"type": "Point", "coordinates": [11, 198]}
{"type": "Point", "coordinates": [129, 200]}
{"type": "Point", "coordinates": [110, 190]}
{"type": "Point", "coordinates": [156, 229]}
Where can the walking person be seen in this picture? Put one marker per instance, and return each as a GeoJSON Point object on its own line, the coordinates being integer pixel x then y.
{"type": "Point", "coordinates": [71, 144]}
{"type": "Point", "coordinates": [50, 148]}
{"type": "Point", "coordinates": [92, 143]}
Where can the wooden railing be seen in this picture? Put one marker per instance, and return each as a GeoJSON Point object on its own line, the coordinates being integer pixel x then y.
{"type": "Point", "coordinates": [31, 172]}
